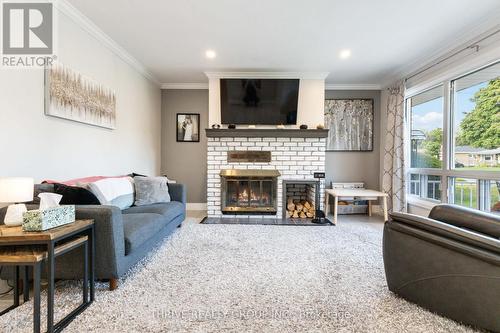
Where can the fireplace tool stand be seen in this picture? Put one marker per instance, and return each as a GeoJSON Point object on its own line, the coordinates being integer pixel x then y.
{"type": "Point", "coordinates": [319, 215]}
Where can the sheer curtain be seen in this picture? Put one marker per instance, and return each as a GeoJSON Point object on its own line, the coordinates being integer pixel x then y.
{"type": "Point", "coordinates": [393, 182]}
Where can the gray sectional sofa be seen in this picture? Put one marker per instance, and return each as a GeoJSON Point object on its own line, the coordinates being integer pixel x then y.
{"type": "Point", "coordinates": [122, 237]}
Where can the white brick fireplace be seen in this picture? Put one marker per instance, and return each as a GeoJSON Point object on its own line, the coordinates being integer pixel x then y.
{"type": "Point", "coordinates": [296, 158]}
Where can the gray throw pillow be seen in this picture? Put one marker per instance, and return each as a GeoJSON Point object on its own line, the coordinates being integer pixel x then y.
{"type": "Point", "coordinates": [150, 190]}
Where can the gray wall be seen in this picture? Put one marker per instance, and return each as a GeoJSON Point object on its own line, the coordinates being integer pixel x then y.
{"type": "Point", "coordinates": [185, 162]}
{"type": "Point", "coordinates": [354, 166]}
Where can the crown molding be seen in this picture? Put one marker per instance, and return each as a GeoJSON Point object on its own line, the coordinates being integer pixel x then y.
{"type": "Point", "coordinates": [193, 86]}
{"type": "Point", "coordinates": [86, 24]}
{"type": "Point", "coordinates": [267, 75]}
{"type": "Point", "coordinates": [487, 24]}
{"type": "Point", "coordinates": [353, 87]}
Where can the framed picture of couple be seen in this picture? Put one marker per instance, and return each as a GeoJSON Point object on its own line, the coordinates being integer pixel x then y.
{"type": "Point", "coordinates": [188, 127]}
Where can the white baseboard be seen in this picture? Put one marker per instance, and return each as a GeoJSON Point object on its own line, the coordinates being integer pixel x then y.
{"type": "Point", "coordinates": [196, 206]}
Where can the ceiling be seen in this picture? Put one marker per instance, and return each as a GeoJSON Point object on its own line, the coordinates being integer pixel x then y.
{"type": "Point", "coordinates": [387, 38]}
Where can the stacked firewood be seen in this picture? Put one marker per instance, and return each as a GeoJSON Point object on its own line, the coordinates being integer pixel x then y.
{"type": "Point", "coordinates": [299, 209]}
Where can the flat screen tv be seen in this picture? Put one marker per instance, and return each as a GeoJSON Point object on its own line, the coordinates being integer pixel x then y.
{"type": "Point", "coordinates": [259, 101]}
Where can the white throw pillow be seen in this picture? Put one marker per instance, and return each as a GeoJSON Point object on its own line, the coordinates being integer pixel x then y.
{"type": "Point", "coordinates": [114, 191]}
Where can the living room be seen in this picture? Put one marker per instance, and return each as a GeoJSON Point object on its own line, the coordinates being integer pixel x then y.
{"type": "Point", "coordinates": [276, 166]}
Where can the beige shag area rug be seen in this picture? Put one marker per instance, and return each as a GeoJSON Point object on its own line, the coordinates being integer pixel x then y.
{"type": "Point", "coordinates": [250, 278]}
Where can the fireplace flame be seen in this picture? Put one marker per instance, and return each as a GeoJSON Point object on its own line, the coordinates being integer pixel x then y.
{"type": "Point", "coordinates": [255, 197]}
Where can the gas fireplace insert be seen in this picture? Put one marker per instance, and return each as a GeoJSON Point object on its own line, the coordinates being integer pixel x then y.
{"type": "Point", "coordinates": [249, 191]}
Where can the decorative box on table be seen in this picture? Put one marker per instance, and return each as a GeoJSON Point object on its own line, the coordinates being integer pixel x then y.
{"type": "Point", "coordinates": [40, 220]}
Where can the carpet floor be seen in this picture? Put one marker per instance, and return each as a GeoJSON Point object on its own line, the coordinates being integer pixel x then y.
{"type": "Point", "coordinates": [250, 278]}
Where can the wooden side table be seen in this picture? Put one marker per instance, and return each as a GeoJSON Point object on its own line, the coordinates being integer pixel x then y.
{"type": "Point", "coordinates": [359, 193]}
{"type": "Point", "coordinates": [45, 246]}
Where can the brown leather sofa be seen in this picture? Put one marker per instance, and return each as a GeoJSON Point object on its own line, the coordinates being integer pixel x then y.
{"type": "Point", "coordinates": [448, 263]}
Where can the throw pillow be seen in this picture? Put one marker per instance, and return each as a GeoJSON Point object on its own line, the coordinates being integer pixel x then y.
{"type": "Point", "coordinates": [114, 191]}
{"type": "Point", "coordinates": [150, 190]}
{"type": "Point", "coordinates": [73, 195]}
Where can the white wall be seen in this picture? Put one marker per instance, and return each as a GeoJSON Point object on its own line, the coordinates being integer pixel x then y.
{"type": "Point", "coordinates": [310, 109]}
{"type": "Point", "coordinates": [311, 106]}
{"type": "Point", "coordinates": [32, 144]}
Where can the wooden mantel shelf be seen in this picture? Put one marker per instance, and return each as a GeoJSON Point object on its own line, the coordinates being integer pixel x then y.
{"type": "Point", "coordinates": [266, 132]}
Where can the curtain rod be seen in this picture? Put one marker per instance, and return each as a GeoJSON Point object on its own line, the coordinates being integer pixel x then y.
{"type": "Point", "coordinates": [474, 45]}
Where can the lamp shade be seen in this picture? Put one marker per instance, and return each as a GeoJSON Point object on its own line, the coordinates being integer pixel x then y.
{"type": "Point", "coordinates": [16, 189]}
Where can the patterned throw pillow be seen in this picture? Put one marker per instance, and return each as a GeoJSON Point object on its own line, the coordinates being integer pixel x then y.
{"type": "Point", "coordinates": [151, 190]}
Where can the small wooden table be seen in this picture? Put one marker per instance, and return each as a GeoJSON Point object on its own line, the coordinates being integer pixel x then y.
{"type": "Point", "coordinates": [48, 245]}
{"type": "Point", "coordinates": [359, 194]}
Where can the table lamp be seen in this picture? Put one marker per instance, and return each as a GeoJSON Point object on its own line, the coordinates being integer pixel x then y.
{"type": "Point", "coordinates": [15, 190]}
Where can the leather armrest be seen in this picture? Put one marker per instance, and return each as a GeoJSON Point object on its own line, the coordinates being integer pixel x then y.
{"type": "Point", "coordinates": [447, 230]}
{"type": "Point", "coordinates": [463, 217]}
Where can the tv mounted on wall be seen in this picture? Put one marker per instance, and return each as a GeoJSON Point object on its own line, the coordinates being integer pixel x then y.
{"type": "Point", "coordinates": [259, 101]}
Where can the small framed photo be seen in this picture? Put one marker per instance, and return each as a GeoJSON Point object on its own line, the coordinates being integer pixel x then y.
{"type": "Point", "coordinates": [188, 127]}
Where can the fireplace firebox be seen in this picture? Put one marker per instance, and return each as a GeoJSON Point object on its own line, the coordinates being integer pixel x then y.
{"type": "Point", "coordinates": [249, 191]}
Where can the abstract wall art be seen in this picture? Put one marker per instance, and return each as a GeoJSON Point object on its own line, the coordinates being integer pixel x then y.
{"type": "Point", "coordinates": [350, 124]}
{"type": "Point", "coordinates": [72, 96]}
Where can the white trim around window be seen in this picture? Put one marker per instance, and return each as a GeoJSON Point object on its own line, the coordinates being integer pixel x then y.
{"type": "Point", "coordinates": [477, 190]}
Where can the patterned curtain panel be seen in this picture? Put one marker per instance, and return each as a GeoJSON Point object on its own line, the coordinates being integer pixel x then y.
{"type": "Point", "coordinates": [393, 182]}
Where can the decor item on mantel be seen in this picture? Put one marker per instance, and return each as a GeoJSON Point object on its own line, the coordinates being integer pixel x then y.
{"type": "Point", "coordinates": [214, 126]}
{"type": "Point", "coordinates": [280, 126]}
{"type": "Point", "coordinates": [351, 124]}
{"type": "Point", "coordinates": [251, 126]}
{"type": "Point", "coordinates": [231, 126]}
{"type": "Point", "coordinates": [320, 126]}
{"type": "Point", "coordinates": [303, 127]}
{"type": "Point", "coordinates": [70, 95]}
{"type": "Point", "coordinates": [188, 127]}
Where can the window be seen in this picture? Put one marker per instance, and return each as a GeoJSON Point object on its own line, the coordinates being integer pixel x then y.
{"type": "Point", "coordinates": [415, 184]}
{"type": "Point", "coordinates": [426, 186]}
{"type": "Point", "coordinates": [476, 119]}
{"type": "Point", "coordinates": [434, 187]}
{"type": "Point", "coordinates": [463, 192]}
{"type": "Point", "coordinates": [492, 194]}
{"type": "Point", "coordinates": [427, 129]}
{"type": "Point", "coordinates": [454, 141]}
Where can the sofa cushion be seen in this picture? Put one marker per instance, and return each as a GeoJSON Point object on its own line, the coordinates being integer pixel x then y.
{"type": "Point", "coordinates": [139, 227]}
{"type": "Point", "coordinates": [40, 188]}
{"type": "Point", "coordinates": [472, 219]}
{"type": "Point", "coordinates": [168, 210]}
{"type": "Point", "coordinates": [74, 195]}
{"type": "Point", "coordinates": [151, 190]}
{"type": "Point", "coordinates": [114, 191]}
